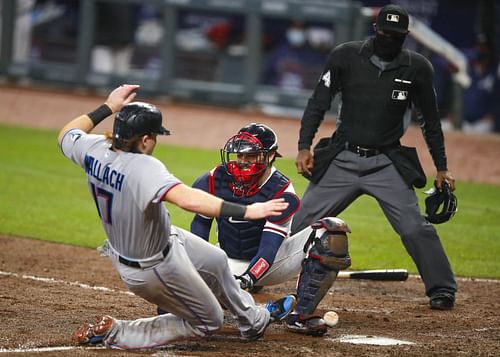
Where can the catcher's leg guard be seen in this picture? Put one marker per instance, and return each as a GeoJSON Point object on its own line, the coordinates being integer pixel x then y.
{"type": "Point", "coordinates": [328, 254]}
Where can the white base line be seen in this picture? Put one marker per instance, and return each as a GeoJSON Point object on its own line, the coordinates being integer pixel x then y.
{"type": "Point", "coordinates": [102, 288]}
{"type": "Point", "coordinates": [72, 283]}
{"type": "Point", "coordinates": [49, 349]}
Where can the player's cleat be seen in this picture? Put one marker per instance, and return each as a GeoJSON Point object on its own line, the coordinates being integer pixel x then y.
{"type": "Point", "coordinates": [281, 308]}
{"type": "Point", "coordinates": [308, 325]}
{"type": "Point", "coordinates": [93, 333]}
{"type": "Point", "coordinates": [278, 310]}
{"type": "Point", "coordinates": [442, 301]}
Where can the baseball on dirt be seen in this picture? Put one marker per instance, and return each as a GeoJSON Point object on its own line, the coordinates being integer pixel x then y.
{"type": "Point", "coordinates": [331, 318]}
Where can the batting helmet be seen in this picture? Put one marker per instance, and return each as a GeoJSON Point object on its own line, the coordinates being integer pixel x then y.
{"type": "Point", "coordinates": [257, 140]}
{"type": "Point", "coordinates": [137, 119]}
{"type": "Point", "coordinates": [442, 205]}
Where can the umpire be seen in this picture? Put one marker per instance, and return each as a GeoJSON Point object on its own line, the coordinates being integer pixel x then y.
{"type": "Point", "coordinates": [378, 81]}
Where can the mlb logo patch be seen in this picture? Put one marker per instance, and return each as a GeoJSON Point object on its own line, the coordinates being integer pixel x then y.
{"type": "Point", "coordinates": [392, 17]}
{"type": "Point", "coordinates": [399, 94]}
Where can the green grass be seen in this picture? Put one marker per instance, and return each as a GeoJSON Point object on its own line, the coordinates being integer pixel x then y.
{"type": "Point", "coordinates": [44, 196]}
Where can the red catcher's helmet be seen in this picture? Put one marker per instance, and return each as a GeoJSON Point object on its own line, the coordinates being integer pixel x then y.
{"type": "Point", "coordinates": [246, 157]}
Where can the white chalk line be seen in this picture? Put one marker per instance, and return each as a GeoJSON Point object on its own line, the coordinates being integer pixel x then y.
{"type": "Point", "coordinates": [49, 349]}
{"type": "Point", "coordinates": [63, 282]}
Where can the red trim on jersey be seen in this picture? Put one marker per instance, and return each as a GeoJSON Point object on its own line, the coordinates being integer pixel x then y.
{"type": "Point", "coordinates": [275, 230]}
{"type": "Point", "coordinates": [167, 191]}
{"type": "Point", "coordinates": [282, 189]}
{"type": "Point", "coordinates": [290, 214]}
{"type": "Point", "coordinates": [314, 256]}
{"type": "Point", "coordinates": [211, 180]}
{"type": "Point", "coordinates": [259, 268]}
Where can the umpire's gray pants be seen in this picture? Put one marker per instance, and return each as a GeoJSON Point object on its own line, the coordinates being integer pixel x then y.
{"type": "Point", "coordinates": [348, 177]}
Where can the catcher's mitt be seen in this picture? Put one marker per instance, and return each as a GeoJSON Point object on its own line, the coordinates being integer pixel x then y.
{"type": "Point", "coordinates": [440, 206]}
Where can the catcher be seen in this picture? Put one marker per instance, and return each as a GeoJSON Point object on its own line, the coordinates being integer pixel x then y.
{"type": "Point", "coordinates": [262, 252]}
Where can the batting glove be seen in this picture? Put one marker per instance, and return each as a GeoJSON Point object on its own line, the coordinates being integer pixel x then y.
{"type": "Point", "coordinates": [246, 281]}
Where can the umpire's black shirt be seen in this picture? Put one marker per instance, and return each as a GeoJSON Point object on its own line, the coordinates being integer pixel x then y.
{"type": "Point", "coordinates": [374, 99]}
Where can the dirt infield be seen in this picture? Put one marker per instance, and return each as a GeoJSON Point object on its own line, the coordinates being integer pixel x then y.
{"type": "Point", "coordinates": [47, 289]}
{"type": "Point", "coordinates": [43, 312]}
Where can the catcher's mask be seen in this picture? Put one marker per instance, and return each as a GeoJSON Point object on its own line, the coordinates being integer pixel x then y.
{"type": "Point", "coordinates": [137, 119]}
{"type": "Point", "coordinates": [442, 205]}
{"type": "Point", "coordinates": [246, 157]}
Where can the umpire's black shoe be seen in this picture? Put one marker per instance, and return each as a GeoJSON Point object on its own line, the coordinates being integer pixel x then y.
{"type": "Point", "coordinates": [442, 302]}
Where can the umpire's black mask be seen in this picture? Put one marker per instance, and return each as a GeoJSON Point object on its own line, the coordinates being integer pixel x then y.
{"type": "Point", "coordinates": [388, 45]}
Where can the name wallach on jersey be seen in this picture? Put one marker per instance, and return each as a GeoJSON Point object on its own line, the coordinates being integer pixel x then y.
{"type": "Point", "coordinates": [104, 174]}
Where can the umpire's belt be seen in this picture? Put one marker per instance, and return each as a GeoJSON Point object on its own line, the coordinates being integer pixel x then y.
{"type": "Point", "coordinates": [361, 151]}
{"type": "Point", "coordinates": [144, 264]}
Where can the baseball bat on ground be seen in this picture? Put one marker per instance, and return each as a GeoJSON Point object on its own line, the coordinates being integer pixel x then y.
{"type": "Point", "coordinates": [382, 274]}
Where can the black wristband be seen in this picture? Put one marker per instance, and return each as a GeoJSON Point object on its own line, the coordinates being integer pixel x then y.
{"type": "Point", "coordinates": [100, 114]}
{"type": "Point", "coordinates": [230, 209]}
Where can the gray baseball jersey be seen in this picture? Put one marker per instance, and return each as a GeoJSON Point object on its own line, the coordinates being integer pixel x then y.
{"type": "Point", "coordinates": [117, 184]}
{"type": "Point", "coordinates": [128, 190]}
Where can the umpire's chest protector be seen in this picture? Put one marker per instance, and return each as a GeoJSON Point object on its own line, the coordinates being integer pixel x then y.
{"type": "Point", "coordinates": [240, 239]}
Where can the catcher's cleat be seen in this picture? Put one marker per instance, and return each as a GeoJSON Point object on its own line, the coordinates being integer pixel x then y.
{"type": "Point", "coordinates": [281, 308]}
{"type": "Point", "coordinates": [306, 324]}
{"type": "Point", "coordinates": [93, 333]}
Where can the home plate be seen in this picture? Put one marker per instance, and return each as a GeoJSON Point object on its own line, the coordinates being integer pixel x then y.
{"type": "Point", "coordinates": [372, 340]}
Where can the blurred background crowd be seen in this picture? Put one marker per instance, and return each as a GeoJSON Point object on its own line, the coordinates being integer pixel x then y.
{"type": "Point", "coordinates": [216, 45]}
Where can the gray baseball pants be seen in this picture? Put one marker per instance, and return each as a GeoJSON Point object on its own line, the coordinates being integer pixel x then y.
{"type": "Point", "coordinates": [350, 176]}
{"type": "Point", "coordinates": [191, 282]}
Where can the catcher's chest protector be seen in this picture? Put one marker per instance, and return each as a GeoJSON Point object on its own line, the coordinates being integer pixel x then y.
{"type": "Point", "coordinates": [241, 239]}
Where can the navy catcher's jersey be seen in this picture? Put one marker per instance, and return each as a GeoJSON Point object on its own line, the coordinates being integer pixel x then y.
{"type": "Point", "coordinates": [240, 239]}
